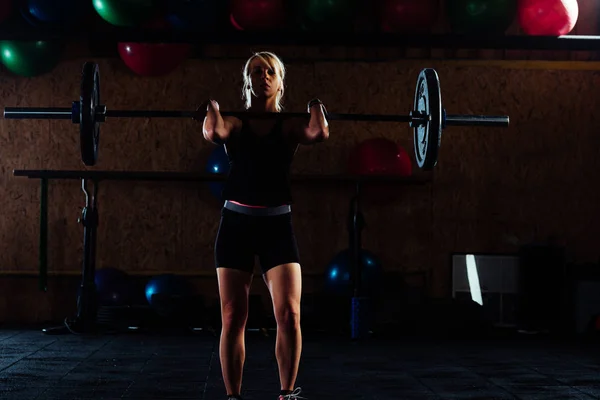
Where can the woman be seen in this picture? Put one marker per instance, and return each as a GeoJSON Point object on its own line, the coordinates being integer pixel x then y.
{"type": "Point", "coordinates": [256, 218]}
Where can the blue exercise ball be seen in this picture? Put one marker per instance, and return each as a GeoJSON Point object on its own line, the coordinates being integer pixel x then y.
{"type": "Point", "coordinates": [113, 287]}
{"type": "Point", "coordinates": [192, 15]}
{"type": "Point", "coordinates": [218, 163]}
{"type": "Point", "coordinates": [339, 272]}
{"type": "Point", "coordinates": [167, 286]}
{"type": "Point", "coordinates": [55, 12]}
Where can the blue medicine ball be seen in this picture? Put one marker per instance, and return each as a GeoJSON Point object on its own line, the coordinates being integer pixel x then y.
{"type": "Point", "coordinates": [339, 272]}
{"type": "Point", "coordinates": [218, 163]}
{"type": "Point", "coordinates": [55, 12]}
{"type": "Point", "coordinates": [193, 15]}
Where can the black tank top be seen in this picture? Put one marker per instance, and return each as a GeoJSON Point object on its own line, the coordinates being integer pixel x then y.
{"type": "Point", "coordinates": [259, 173]}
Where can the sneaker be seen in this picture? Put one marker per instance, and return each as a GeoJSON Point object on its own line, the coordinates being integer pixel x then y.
{"type": "Point", "coordinates": [295, 395]}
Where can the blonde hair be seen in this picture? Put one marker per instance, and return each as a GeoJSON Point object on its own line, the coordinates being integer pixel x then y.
{"type": "Point", "coordinates": [274, 62]}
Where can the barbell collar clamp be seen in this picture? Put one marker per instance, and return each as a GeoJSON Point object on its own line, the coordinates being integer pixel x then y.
{"type": "Point", "coordinates": [418, 118]}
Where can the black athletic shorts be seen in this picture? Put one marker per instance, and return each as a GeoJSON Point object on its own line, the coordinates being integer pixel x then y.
{"type": "Point", "coordinates": [241, 237]}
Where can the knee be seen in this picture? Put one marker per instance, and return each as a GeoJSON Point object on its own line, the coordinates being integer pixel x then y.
{"type": "Point", "coordinates": [288, 316]}
{"type": "Point", "coordinates": [234, 317]}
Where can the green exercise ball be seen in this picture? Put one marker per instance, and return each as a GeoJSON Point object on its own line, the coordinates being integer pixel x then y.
{"type": "Point", "coordinates": [30, 58]}
{"type": "Point", "coordinates": [126, 12]}
{"type": "Point", "coordinates": [326, 15]}
{"type": "Point", "coordinates": [481, 16]}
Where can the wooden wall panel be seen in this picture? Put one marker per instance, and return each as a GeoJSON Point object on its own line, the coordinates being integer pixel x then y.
{"type": "Point", "coordinates": [492, 190]}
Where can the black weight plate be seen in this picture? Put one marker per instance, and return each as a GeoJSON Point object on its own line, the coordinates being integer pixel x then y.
{"type": "Point", "coordinates": [89, 127]}
{"type": "Point", "coordinates": [428, 136]}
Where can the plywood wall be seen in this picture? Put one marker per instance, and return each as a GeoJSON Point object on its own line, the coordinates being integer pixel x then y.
{"type": "Point", "coordinates": [492, 190]}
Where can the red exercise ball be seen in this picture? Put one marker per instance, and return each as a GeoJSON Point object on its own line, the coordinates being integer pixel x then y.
{"type": "Point", "coordinates": [379, 156]}
{"type": "Point", "coordinates": [153, 59]}
{"type": "Point", "coordinates": [408, 16]}
{"type": "Point", "coordinates": [6, 8]}
{"type": "Point", "coordinates": [254, 15]}
{"type": "Point", "coordinates": [548, 17]}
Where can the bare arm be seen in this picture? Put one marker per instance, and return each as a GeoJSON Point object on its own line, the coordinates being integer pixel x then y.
{"type": "Point", "coordinates": [216, 128]}
{"type": "Point", "coordinates": [317, 128]}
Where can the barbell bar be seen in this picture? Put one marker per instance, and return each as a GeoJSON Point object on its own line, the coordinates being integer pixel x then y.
{"type": "Point", "coordinates": [427, 120]}
{"type": "Point", "coordinates": [67, 113]}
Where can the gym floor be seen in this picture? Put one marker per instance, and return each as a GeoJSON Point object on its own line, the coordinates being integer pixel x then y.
{"type": "Point", "coordinates": [179, 366]}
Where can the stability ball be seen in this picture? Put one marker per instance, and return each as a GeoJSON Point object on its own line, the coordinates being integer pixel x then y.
{"type": "Point", "coordinates": [192, 15]}
{"type": "Point", "coordinates": [379, 156]}
{"type": "Point", "coordinates": [167, 284]}
{"type": "Point", "coordinates": [55, 12]}
{"type": "Point", "coordinates": [126, 12]}
{"type": "Point", "coordinates": [113, 287]}
{"type": "Point", "coordinates": [218, 163]}
{"type": "Point", "coordinates": [326, 15]}
{"type": "Point", "coordinates": [30, 58]}
{"type": "Point", "coordinates": [481, 16]}
{"type": "Point", "coordinates": [339, 272]}
{"type": "Point", "coordinates": [548, 17]}
{"type": "Point", "coordinates": [167, 293]}
{"type": "Point", "coordinates": [408, 16]}
{"type": "Point", "coordinates": [256, 15]}
{"type": "Point", "coordinates": [153, 59]}
{"type": "Point", "coordinates": [6, 9]}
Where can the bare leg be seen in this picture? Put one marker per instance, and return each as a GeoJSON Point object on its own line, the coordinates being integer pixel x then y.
{"type": "Point", "coordinates": [285, 285]}
{"type": "Point", "coordinates": [234, 288]}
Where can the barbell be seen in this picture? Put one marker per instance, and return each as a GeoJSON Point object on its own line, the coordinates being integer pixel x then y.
{"type": "Point", "coordinates": [428, 118]}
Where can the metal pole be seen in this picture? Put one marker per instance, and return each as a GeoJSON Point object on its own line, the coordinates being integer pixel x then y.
{"type": "Point", "coordinates": [43, 243]}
